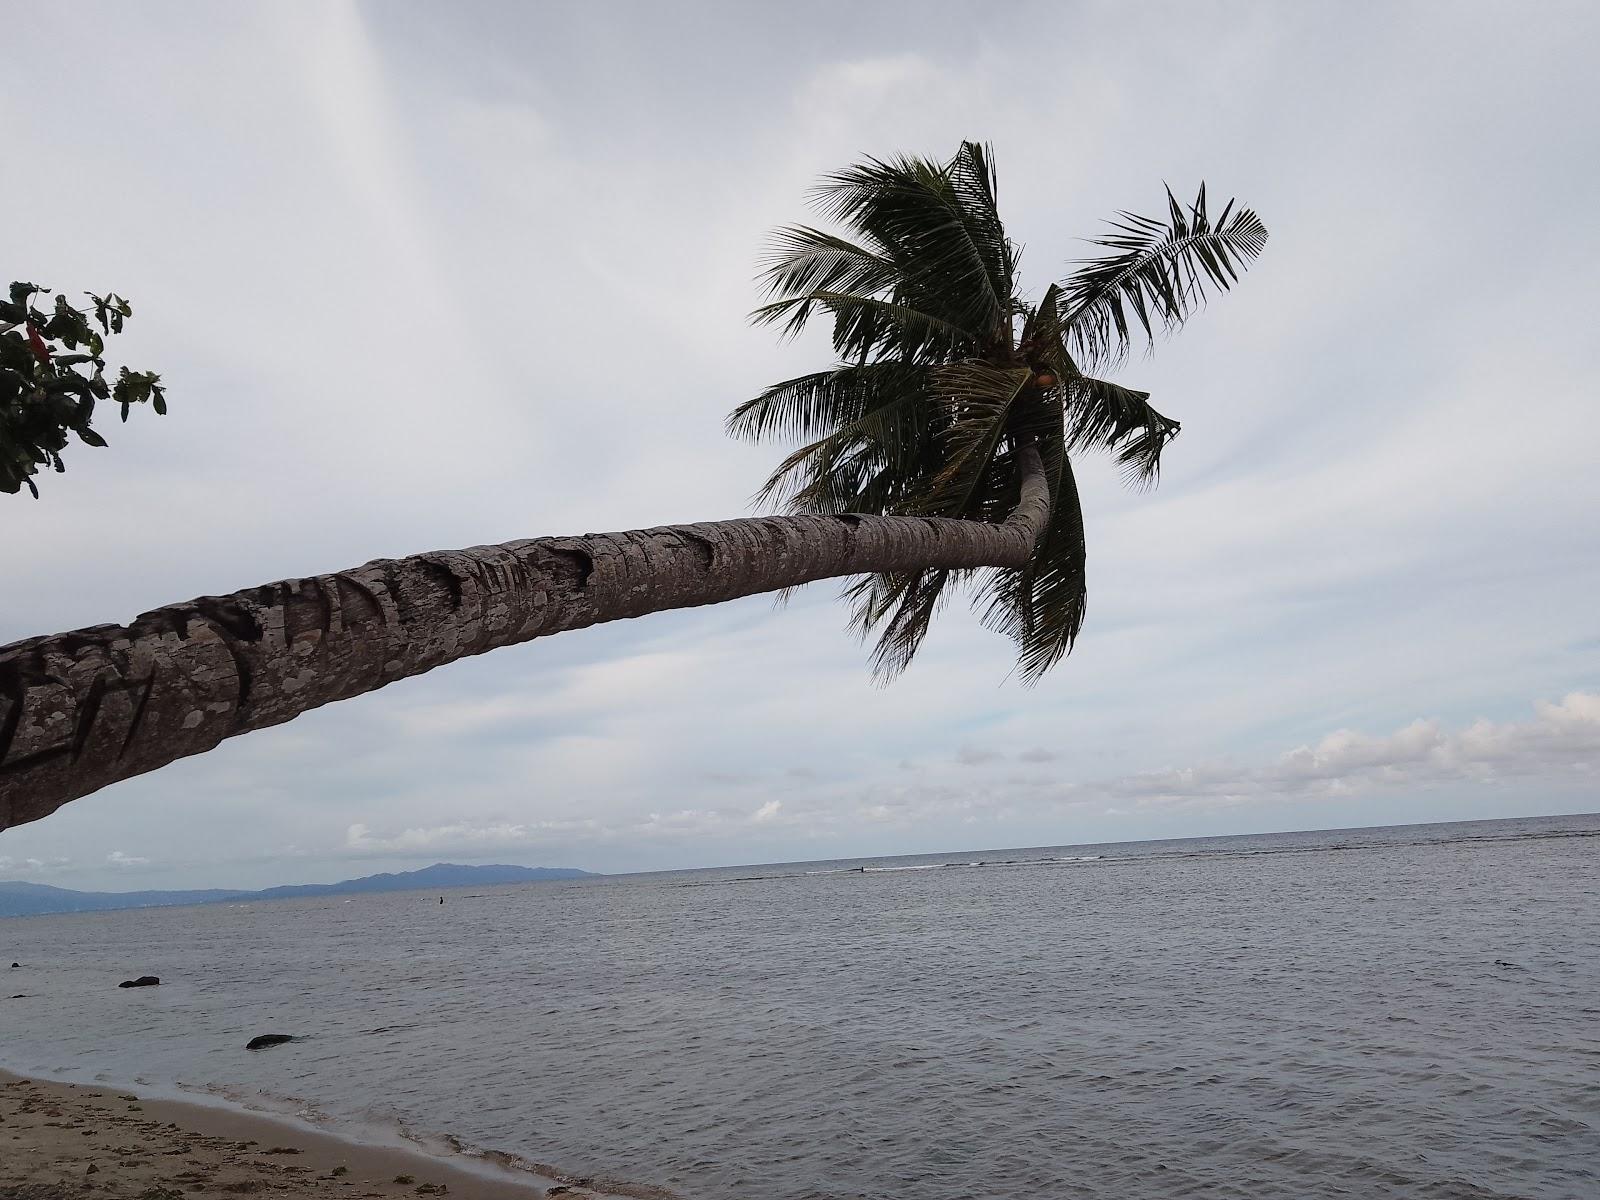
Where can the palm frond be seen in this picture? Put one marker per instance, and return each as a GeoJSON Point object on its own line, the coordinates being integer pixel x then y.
{"type": "Point", "coordinates": [1098, 414]}
{"type": "Point", "coordinates": [1041, 606]}
{"type": "Point", "coordinates": [1103, 415]}
{"type": "Point", "coordinates": [977, 400]}
{"type": "Point", "coordinates": [951, 263]}
{"type": "Point", "coordinates": [868, 424]}
{"type": "Point", "coordinates": [1157, 272]}
{"type": "Point", "coordinates": [975, 189]}
{"type": "Point", "coordinates": [802, 259]}
{"type": "Point", "coordinates": [1140, 455]}
{"type": "Point", "coordinates": [847, 471]}
{"type": "Point", "coordinates": [865, 327]}
{"type": "Point", "coordinates": [1041, 326]}
{"type": "Point", "coordinates": [899, 608]}
{"type": "Point", "coordinates": [811, 406]}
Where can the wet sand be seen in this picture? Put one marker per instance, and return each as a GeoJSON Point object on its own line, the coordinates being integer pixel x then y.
{"type": "Point", "coordinates": [63, 1141]}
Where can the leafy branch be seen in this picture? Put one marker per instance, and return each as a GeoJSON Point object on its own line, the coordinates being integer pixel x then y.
{"type": "Point", "coordinates": [52, 373]}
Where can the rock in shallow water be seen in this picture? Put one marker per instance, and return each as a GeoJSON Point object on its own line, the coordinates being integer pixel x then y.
{"type": "Point", "coordinates": [142, 981]}
{"type": "Point", "coordinates": [268, 1039]}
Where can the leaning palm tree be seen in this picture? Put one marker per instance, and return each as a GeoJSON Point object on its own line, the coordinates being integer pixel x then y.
{"type": "Point", "coordinates": [936, 454]}
{"type": "Point", "coordinates": [950, 380]}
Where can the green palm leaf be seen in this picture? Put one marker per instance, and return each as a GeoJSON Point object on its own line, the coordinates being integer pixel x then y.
{"type": "Point", "coordinates": [899, 608]}
{"type": "Point", "coordinates": [867, 424]}
{"type": "Point", "coordinates": [1041, 606]}
{"type": "Point", "coordinates": [1158, 271]}
{"type": "Point", "coordinates": [950, 263]}
{"type": "Point", "coordinates": [813, 405]}
{"type": "Point", "coordinates": [865, 327]}
{"type": "Point", "coordinates": [978, 401]}
{"type": "Point", "coordinates": [1105, 415]}
{"type": "Point", "coordinates": [802, 259]}
{"type": "Point", "coordinates": [1098, 414]}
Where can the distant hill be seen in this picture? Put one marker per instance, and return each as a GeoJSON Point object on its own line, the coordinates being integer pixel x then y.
{"type": "Point", "coordinates": [19, 899]}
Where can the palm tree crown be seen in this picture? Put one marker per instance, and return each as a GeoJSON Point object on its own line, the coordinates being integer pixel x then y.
{"type": "Point", "coordinates": [947, 373]}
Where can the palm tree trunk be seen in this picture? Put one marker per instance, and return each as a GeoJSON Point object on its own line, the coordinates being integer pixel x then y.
{"type": "Point", "coordinates": [84, 709]}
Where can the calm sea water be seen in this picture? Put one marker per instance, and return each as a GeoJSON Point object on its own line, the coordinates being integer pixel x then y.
{"type": "Point", "coordinates": [1406, 1012]}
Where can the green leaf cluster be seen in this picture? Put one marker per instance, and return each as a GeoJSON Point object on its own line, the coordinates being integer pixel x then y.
{"type": "Point", "coordinates": [52, 374]}
{"type": "Point", "coordinates": [945, 371]}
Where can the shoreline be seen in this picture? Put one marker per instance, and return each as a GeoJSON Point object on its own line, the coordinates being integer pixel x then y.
{"type": "Point", "coordinates": [66, 1141]}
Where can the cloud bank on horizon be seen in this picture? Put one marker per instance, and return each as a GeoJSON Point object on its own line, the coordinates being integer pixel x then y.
{"type": "Point", "coordinates": [1560, 745]}
{"type": "Point", "coordinates": [1012, 789]}
{"type": "Point", "coordinates": [437, 278]}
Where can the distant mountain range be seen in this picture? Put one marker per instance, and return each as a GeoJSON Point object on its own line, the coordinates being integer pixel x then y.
{"type": "Point", "coordinates": [19, 899]}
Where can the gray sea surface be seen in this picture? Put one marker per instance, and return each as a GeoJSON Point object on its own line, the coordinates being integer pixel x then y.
{"type": "Point", "coordinates": [1401, 1012]}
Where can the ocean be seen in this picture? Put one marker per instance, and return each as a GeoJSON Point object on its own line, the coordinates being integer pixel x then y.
{"type": "Point", "coordinates": [1404, 1012]}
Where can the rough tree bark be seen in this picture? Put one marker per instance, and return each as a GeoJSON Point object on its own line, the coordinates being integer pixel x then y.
{"type": "Point", "coordinates": [84, 709]}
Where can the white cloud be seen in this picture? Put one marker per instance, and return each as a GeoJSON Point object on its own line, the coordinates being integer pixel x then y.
{"type": "Point", "coordinates": [34, 866]}
{"type": "Point", "coordinates": [1563, 738]}
{"type": "Point", "coordinates": [884, 806]}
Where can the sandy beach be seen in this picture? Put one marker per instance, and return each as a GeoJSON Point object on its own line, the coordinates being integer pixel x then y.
{"type": "Point", "coordinates": [65, 1141]}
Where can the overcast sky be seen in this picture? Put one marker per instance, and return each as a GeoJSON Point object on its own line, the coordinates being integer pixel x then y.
{"type": "Point", "coordinates": [422, 276]}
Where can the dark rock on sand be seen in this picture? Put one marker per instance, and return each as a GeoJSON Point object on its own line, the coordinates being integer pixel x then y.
{"type": "Point", "coordinates": [14, 966]}
{"type": "Point", "coordinates": [268, 1039]}
{"type": "Point", "coordinates": [142, 981]}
